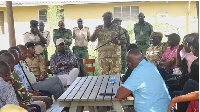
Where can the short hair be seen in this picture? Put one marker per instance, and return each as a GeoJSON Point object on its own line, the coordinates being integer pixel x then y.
{"type": "Point", "coordinates": [4, 68]}
{"type": "Point", "coordinates": [132, 46]}
{"type": "Point", "coordinates": [7, 57]}
{"type": "Point", "coordinates": [195, 42]}
{"type": "Point", "coordinates": [3, 51]}
{"type": "Point", "coordinates": [15, 47]}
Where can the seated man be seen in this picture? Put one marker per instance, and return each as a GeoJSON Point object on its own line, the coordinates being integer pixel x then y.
{"type": "Point", "coordinates": [7, 93]}
{"type": "Point", "coordinates": [168, 60]}
{"type": "Point", "coordinates": [51, 84]}
{"type": "Point", "coordinates": [156, 50]}
{"type": "Point", "coordinates": [22, 95]}
{"type": "Point", "coordinates": [62, 64]}
{"type": "Point", "coordinates": [36, 95]}
{"type": "Point", "coordinates": [146, 84]}
{"type": "Point", "coordinates": [35, 62]}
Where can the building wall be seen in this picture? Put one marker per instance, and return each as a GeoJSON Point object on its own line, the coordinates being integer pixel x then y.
{"type": "Point", "coordinates": [92, 15]}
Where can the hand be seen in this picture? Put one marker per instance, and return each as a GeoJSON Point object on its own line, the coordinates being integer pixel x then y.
{"type": "Point", "coordinates": [180, 47]}
{"type": "Point", "coordinates": [113, 40]}
{"type": "Point", "coordinates": [31, 108]}
{"type": "Point", "coordinates": [41, 78]}
{"type": "Point", "coordinates": [172, 104]}
{"type": "Point", "coordinates": [58, 65]}
{"type": "Point", "coordinates": [96, 30]}
{"type": "Point", "coordinates": [36, 93]}
{"type": "Point", "coordinates": [167, 69]}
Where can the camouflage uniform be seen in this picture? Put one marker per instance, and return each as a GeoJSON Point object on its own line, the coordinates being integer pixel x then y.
{"type": "Point", "coordinates": [154, 53]}
{"type": "Point", "coordinates": [36, 65]}
{"type": "Point", "coordinates": [81, 42]}
{"type": "Point", "coordinates": [46, 34]}
{"type": "Point", "coordinates": [142, 35]}
{"type": "Point", "coordinates": [24, 96]}
{"type": "Point", "coordinates": [109, 56]}
{"type": "Point", "coordinates": [65, 34]}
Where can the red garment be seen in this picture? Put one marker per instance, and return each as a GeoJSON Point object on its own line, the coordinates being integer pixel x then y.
{"type": "Point", "coordinates": [193, 106]}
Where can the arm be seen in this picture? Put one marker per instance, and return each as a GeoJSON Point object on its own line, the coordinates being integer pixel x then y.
{"type": "Point", "coordinates": [88, 34]}
{"type": "Point", "coordinates": [54, 36]}
{"type": "Point", "coordinates": [74, 34]}
{"type": "Point", "coordinates": [53, 64]}
{"type": "Point", "coordinates": [120, 40]}
{"type": "Point", "coordinates": [184, 98]}
{"type": "Point", "coordinates": [48, 38]}
{"type": "Point", "coordinates": [72, 60]}
{"type": "Point", "coordinates": [169, 63]}
{"type": "Point", "coordinates": [11, 99]}
{"type": "Point", "coordinates": [69, 38]}
{"type": "Point", "coordinates": [151, 29]}
{"type": "Point", "coordinates": [42, 39]}
{"type": "Point", "coordinates": [42, 68]}
{"type": "Point", "coordinates": [95, 34]}
{"type": "Point", "coordinates": [178, 56]}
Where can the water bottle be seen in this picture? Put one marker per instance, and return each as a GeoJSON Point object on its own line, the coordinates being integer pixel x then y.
{"type": "Point", "coordinates": [112, 80]}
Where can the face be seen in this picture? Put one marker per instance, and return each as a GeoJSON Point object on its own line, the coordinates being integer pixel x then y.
{"type": "Point", "coordinates": [31, 50]}
{"type": "Point", "coordinates": [24, 54]}
{"type": "Point", "coordinates": [117, 23]}
{"type": "Point", "coordinates": [7, 77]}
{"type": "Point", "coordinates": [80, 23]}
{"type": "Point", "coordinates": [155, 40]}
{"type": "Point", "coordinates": [61, 47]}
{"type": "Point", "coordinates": [107, 20]}
{"type": "Point", "coordinates": [12, 64]}
{"type": "Point", "coordinates": [16, 58]}
{"type": "Point", "coordinates": [141, 17]}
{"type": "Point", "coordinates": [34, 29]}
{"type": "Point", "coordinates": [41, 26]}
{"type": "Point", "coordinates": [170, 42]}
{"type": "Point", "coordinates": [61, 25]}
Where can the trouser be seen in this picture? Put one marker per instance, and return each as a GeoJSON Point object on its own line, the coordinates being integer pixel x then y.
{"type": "Point", "coordinates": [52, 85]}
{"type": "Point", "coordinates": [38, 109]}
{"type": "Point", "coordinates": [109, 66]}
{"type": "Point", "coordinates": [81, 52]}
{"type": "Point", "coordinates": [45, 54]}
{"type": "Point", "coordinates": [45, 93]}
{"type": "Point", "coordinates": [41, 104]}
{"type": "Point", "coordinates": [123, 61]}
{"type": "Point", "coordinates": [164, 73]}
{"type": "Point", "coordinates": [68, 79]}
{"type": "Point", "coordinates": [190, 86]}
{"type": "Point", "coordinates": [45, 99]}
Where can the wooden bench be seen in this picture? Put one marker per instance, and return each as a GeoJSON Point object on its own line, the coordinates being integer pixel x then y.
{"type": "Point", "coordinates": [55, 108]}
{"type": "Point", "coordinates": [84, 91]}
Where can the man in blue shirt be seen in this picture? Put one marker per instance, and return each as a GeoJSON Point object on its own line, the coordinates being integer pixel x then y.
{"type": "Point", "coordinates": [145, 82]}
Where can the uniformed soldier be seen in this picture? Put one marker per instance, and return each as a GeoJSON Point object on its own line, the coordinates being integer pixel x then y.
{"type": "Point", "coordinates": [82, 36]}
{"type": "Point", "coordinates": [64, 33]}
{"type": "Point", "coordinates": [118, 21]}
{"type": "Point", "coordinates": [156, 50]}
{"type": "Point", "coordinates": [36, 37]}
{"type": "Point", "coordinates": [45, 34]}
{"type": "Point", "coordinates": [109, 56]}
{"type": "Point", "coordinates": [142, 31]}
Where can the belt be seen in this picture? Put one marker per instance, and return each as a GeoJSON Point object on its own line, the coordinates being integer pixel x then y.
{"type": "Point", "coordinates": [141, 43]}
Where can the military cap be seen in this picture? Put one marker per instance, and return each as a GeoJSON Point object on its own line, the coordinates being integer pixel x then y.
{"type": "Point", "coordinates": [80, 20]}
{"type": "Point", "coordinates": [34, 23]}
{"type": "Point", "coordinates": [117, 19]}
{"type": "Point", "coordinates": [174, 36]}
{"type": "Point", "coordinates": [107, 14]}
{"type": "Point", "coordinates": [156, 34]}
{"type": "Point", "coordinates": [29, 44]}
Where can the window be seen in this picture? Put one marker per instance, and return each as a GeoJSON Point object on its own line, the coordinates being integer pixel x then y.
{"type": "Point", "coordinates": [43, 15]}
{"type": "Point", "coordinates": [126, 12]}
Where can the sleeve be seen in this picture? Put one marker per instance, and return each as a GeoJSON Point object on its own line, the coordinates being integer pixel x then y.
{"type": "Point", "coordinates": [151, 29]}
{"type": "Point", "coordinates": [73, 33]}
{"type": "Point", "coordinates": [69, 41]}
{"type": "Point", "coordinates": [11, 98]}
{"type": "Point", "coordinates": [26, 38]}
{"type": "Point", "coordinates": [42, 66]}
{"type": "Point", "coordinates": [54, 36]}
{"type": "Point", "coordinates": [53, 64]}
{"type": "Point", "coordinates": [121, 31]}
{"type": "Point", "coordinates": [134, 81]}
{"type": "Point", "coordinates": [48, 38]}
{"type": "Point", "coordinates": [88, 33]}
{"type": "Point", "coordinates": [72, 60]}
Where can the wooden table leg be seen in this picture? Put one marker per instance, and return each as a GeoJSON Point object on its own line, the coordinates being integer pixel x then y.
{"type": "Point", "coordinates": [73, 106]}
{"type": "Point", "coordinates": [117, 105]}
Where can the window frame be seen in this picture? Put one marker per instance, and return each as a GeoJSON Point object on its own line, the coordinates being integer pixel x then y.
{"type": "Point", "coordinates": [42, 15]}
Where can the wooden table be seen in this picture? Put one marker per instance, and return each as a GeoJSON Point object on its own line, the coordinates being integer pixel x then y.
{"type": "Point", "coordinates": [84, 91]}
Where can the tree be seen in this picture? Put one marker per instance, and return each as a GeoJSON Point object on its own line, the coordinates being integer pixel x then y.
{"type": "Point", "coordinates": [10, 20]}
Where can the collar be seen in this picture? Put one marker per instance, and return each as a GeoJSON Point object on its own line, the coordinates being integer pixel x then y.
{"type": "Point", "coordinates": [145, 23]}
{"type": "Point", "coordinates": [57, 53]}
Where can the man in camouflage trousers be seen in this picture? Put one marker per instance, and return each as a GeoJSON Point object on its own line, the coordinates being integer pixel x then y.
{"type": "Point", "coordinates": [45, 34]}
{"type": "Point", "coordinates": [142, 31]}
{"type": "Point", "coordinates": [118, 21]}
{"type": "Point", "coordinates": [64, 33]}
{"type": "Point", "coordinates": [82, 36]}
{"type": "Point", "coordinates": [109, 56]}
{"type": "Point", "coordinates": [156, 50]}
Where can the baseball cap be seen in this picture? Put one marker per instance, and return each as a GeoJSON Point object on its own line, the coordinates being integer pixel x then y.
{"type": "Point", "coordinates": [59, 41]}
{"type": "Point", "coordinates": [29, 44]}
{"type": "Point", "coordinates": [174, 36]}
{"type": "Point", "coordinates": [156, 34]}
